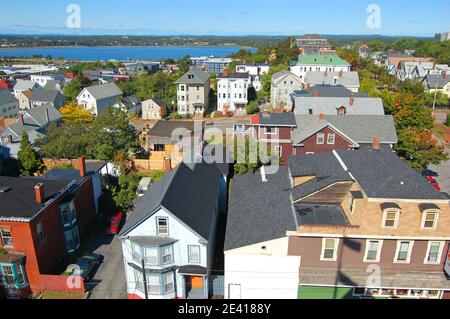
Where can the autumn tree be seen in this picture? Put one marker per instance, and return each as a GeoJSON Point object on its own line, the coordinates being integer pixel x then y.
{"type": "Point", "coordinates": [74, 113]}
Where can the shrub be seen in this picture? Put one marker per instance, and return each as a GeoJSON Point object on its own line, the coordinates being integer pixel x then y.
{"type": "Point", "coordinates": [447, 123]}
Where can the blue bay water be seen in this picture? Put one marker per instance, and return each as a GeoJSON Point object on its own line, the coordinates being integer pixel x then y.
{"type": "Point", "coordinates": [121, 53]}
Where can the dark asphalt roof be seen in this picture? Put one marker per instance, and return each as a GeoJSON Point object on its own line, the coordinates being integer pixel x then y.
{"type": "Point", "coordinates": [45, 95]}
{"type": "Point", "coordinates": [384, 175]}
{"type": "Point", "coordinates": [74, 174]}
{"type": "Point", "coordinates": [190, 195]}
{"type": "Point", "coordinates": [166, 128]}
{"type": "Point", "coordinates": [319, 183]}
{"type": "Point", "coordinates": [329, 91]}
{"type": "Point", "coordinates": [258, 211]}
{"type": "Point", "coordinates": [321, 215]}
{"type": "Point", "coordinates": [192, 270]}
{"type": "Point", "coordinates": [233, 76]}
{"type": "Point", "coordinates": [20, 201]}
{"type": "Point", "coordinates": [278, 119]}
{"type": "Point", "coordinates": [6, 97]}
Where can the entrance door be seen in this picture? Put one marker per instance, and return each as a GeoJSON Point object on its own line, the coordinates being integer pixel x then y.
{"type": "Point", "coordinates": [197, 282]}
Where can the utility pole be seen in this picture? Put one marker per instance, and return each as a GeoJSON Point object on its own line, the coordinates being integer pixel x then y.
{"type": "Point", "coordinates": [144, 274]}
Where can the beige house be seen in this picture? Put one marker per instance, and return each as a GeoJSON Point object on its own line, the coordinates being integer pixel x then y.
{"type": "Point", "coordinates": [284, 83]}
{"type": "Point", "coordinates": [24, 99]}
{"type": "Point", "coordinates": [440, 83]}
{"type": "Point", "coordinates": [153, 109]}
{"type": "Point", "coordinates": [193, 93]}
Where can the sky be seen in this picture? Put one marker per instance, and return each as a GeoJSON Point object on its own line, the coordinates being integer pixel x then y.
{"type": "Point", "coordinates": [227, 17]}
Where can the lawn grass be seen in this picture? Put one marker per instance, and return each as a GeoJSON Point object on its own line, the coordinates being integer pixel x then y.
{"type": "Point", "coordinates": [56, 295]}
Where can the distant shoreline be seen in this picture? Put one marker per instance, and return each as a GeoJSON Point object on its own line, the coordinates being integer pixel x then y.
{"type": "Point", "coordinates": [125, 46]}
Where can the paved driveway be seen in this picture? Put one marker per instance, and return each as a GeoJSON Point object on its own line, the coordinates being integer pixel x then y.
{"type": "Point", "coordinates": [444, 175]}
{"type": "Point", "coordinates": [109, 281]}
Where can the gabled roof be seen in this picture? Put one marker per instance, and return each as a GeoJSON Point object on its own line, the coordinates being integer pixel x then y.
{"type": "Point", "coordinates": [433, 81]}
{"type": "Point", "coordinates": [330, 105]}
{"type": "Point", "coordinates": [166, 128]}
{"type": "Point", "coordinates": [51, 84]}
{"type": "Point", "coordinates": [6, 97]}
{"type": "Point", "coordinates": [189, 194]}
{"type": "Point", "coordinates": [361, 129]}
{"type": "Point", "coordinates": [279, 76]}
{"type": "Point", "coordinates": [258, 211]}
{"type": "Point", "coordinates": [157, 101]}
{"type": "Point", "coordinates": [57, 174]}
{"type": "Point", "coordinates": [25, 85]}
{"type": "Point", "coordinates": [233, 76]}
{"type": "Point", "coordinates": [38, 115]}
{"type": "Point", "coordinates": [194, 76]}
{"type": "Point", "coordinates": [44, 95]}
{"type": "Point", "coordinates": [104, 91]}
{"type": "Point", "coordinates": [347, 79]}
{"type": "Point", "coordinates": [327, 90]}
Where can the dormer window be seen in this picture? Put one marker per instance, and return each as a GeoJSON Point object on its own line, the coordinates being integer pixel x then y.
{"type": "Point", "coordinates": [391, 215]}
{"type": "Point", "coordinates": [430, 216]}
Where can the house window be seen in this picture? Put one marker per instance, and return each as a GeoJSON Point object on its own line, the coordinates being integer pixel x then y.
{"type": "Point", "coordinates": [373, 251]}
{"type": "Point", "coordinates": [7, 240]}
{"type": "Point", "coordinates": [68, 214]}
{"type": "Point", "coordinates": [167, 255]}
{"type": "Point", "coordinates": [151, 256]}
{"type": "Point", "coordinates": [331, 139]}
{"type": "Point", "coordinates": [390, 219]}
{"type": "Point", "coordinates": [163, 226]}
{"type": "Point", "coordinates": [194, 254]}
{"type": "Point", "coordinates": [279, 151]}
{"type": "Point", "coordinates": [169, 285]}
{"type": "Point", "coordinates": [434, 252]}
{"type": "Point", "coordinates": [40, 232]}
{"type": "Point", "coordinates": [72, 240]}
{"type": "Point", "coordinates": [154, 284]}
{"type": "Point", "coordinates": [136, 252]}
{"type": "Point", "coordinates": [8, 275]}
{"type": "Point", "coordinates": [138, 279]}
{"type": "Point", "coordinates": [20, 275]}
{"type": "Point", "coordinates": [270, 130]}
{"type": "Point", "coordinates": [329, 249]}
{"type": "Point", "coordinates": [429, 220]}
{"type": "Point", "coordinates": [403, 253]}
{"type": "Point", "coordinates": [320, 139]}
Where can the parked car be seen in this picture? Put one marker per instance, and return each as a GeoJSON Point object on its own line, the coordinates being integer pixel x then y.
{"type": "Point", "coordinates": [85, 266]}
{"type": "Point", "coordinates": [437, 186]}
{"type": "Point", "coordinates": [429, 172]}
{"type": "Point", "coordinates": [431, 179]}
{"type": "Point", "coordinates": [115, 224]}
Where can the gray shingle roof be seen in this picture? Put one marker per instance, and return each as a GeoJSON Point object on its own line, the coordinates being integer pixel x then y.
{"type": "Point", "coordinates": [361, 129]}
{"type": "Point", "coordinates": [104, 91]}
{"type": "Point", "coordinates": [45, 95]}
{"type": "Point", "coordinates": [347, 79]}
{"type": "Point", "coordinates": [234, 76]}
{"type": "Point", "coordinates": [279, 75]}
{"type": "Point", "coordinates": [6, 97]}
{"type": "Point", "coordinates": [24, 85]}
{"type": "Point", "coordinates": [330, 105]}
{"type": "Point", "coordinates": [277, 119]}
{"type": "Point", "coordinates": [326, 90]}
{"type": "Point", "coordinates": [432, 80]}
{"type": "Point", "coordinates": [194, 76]}
{"type": "Point", "coordinates": [38, 115]}
{"type": "Point", "coordinates": [190, 195]}
{"type": "Point", "coordinates": [258, 211]}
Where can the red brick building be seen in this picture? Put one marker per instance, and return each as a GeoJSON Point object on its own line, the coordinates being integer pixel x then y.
{"type": "Point", "coordinates": [41, 223]}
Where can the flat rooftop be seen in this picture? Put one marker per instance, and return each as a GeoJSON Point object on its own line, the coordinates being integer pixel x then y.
{"type": "Point", "coordinates": [310, 214]}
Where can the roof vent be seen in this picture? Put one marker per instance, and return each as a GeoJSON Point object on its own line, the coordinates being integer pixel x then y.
{"type": "Point", "coordinates": [5, 189]}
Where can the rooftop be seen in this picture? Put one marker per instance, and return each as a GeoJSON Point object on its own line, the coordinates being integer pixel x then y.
{"type": "Point", "coordinates": [274, 119]}
{"type": "Point", "coordinates": [321, 215]}
{"type": "Point", "coordinates": [316, 59]}
{"type": "Point", "coordinates": [194, 76]}
{"type": "Point", "coordinates": [104, 91]}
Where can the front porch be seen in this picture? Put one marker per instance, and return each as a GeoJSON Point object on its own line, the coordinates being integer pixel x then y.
{"type": "Point", "coordinates": [195, 282]}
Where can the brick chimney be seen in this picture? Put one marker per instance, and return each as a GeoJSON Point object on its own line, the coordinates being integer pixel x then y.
{"type": "Point", "coordinates": [352, 99]}
{"type": "Point", "coordinates": [376, 143]}
{"type": "Point", "coordinates": [167, 164]}
{"type": "Point", "coordinates": [225, 73]}
{"type": "Point", "coordinates": [21, 118]}
{"type": "Point", "coordinates": [322, 117]}
{"type": "Point", "coordinates": [316, 93]}
{"type": "Point", "coordinates": [82, 166]}
{"type": "Point", "coordinates": [266, 113]}
{"type": "Point", "coordinates": [308, 87]}
{"type": "Point", "coordinates": [39, 193]}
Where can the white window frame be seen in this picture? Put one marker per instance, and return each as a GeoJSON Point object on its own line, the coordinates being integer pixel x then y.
{"type": "Point", "coordinates": [380, 249]}
{"type": "Point", "coordinates": [190, 260]}
{"type": "Point", "coordinates": [335, 252]}
{"type": "Point", "coordinates": [170, 283]}
{"type": "Point", "coordinates": [424, 217]}
{"type": "Point", "coordinates": [163, 255]}
{"type": "Point", "coordinates": [333, 135]}
{"type": "Point", "coordinates": [279, 150]}
{"type": "Point", "coordinates": [158, 227]}
{"type": "Point", "coordinates": [427, 255]}
{"type": "Point", "coordinates": [10, 238]}
{"type": "Point", "coordinates": [397, 251]}
{"type": "Point", "coordinates": [267, 133]}
{"type": "Point", "coordinates": [320, 136]}
{"type": "Point", "coordinates": [385, 215]}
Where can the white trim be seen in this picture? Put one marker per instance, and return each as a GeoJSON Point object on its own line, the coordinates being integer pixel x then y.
{"type": "Point", "coordinates": [436, 220]}
{"type": "Point", "coordinates": [380, 248]}
{"type": "Point", "coordinates": [397, 251]}
{"type": "Point", "coordinates": [385, 215]}
{"type": "Point", "coordinates": [264, 129]}
{"type": "Point", "coordinates": [441, 250]}
{"type": "Point", "coordinates": [317, 138]}
{"type": "Point", "coordinates": [335, 251]}
{"type": "Point", "coordinates": [359, 236]}
{"type": "Point", "coordinates": [334, 138]}
{"type": "Point", "coordinates": [340, 160]}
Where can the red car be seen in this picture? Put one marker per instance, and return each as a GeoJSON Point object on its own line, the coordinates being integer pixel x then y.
{"type": "Point", "coordinates": [437, 186]}
{"type": "Point", "coordinates": [115, 224]}
{"type": "Point", "coordinates": [431, 179]}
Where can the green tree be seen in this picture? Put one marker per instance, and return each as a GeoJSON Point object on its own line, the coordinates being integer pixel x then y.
{"type": "Point", "coordinates": [29, 160]}
{"type": "Point", "coordinates": [252, 108]}
{"type": "Point", "coordinates": [447, 122]}
{"type": "Point", "coordinates": [74, 88]}
{"type": "Point", "coordinates": [125, 193]}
